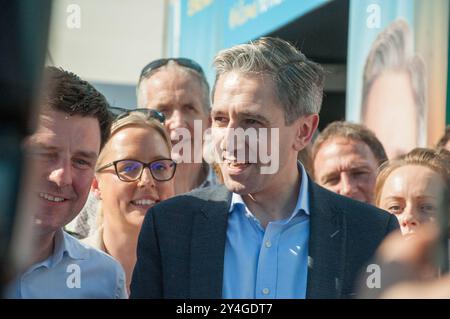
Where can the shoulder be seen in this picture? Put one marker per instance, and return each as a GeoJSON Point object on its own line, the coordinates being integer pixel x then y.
{"type": "Point", "coordinates": [95, 240]}
{"type": "Point", "coordinates": [92, 256]}
{"type": "Point", "coordinates": [101, 270]}
{"type": "Point", "coordinates": [215, 192]}
{"type": "Point", "coordinates": [175, 216]}
{"type": "Point", "coordinates": [192, 201]}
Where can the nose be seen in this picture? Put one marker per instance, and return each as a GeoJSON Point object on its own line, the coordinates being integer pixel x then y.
{"type": "Point", "coordinates": [224, 137]}
{"type": "Point", "coordinates": [146, 179]}
{"type": "Point", "coordinates": [347, 185]}
{"type": "Point", "coordinates": [409, 220]}
{"type": "Point", "coordinates": [61, 175]}
{"type": "Point", "coordinates": [230, 142]}
{"type": "Point", "coordinates": [176, 120]}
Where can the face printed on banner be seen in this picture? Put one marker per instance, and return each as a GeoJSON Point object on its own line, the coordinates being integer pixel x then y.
{"type": "Point", "coordinates": [391, 113]}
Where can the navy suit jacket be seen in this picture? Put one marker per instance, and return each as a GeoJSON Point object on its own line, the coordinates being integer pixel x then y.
{"type": "Point", "coordinates": [181, 246]}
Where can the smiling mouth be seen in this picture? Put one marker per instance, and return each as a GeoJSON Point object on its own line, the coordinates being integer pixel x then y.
{"type": "Point", "coordinates": [235, 167]}
{"type": "Point", "coordinates": [238, 165]}
{"type": "Point", "coordinates": [143, 202]}
{"type": "Point", "coordinates": [51, 198]}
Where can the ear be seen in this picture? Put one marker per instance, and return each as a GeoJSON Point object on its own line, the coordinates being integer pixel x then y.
{"type": "Point", "coordinates": [306, 126]}
{"type": "Point", "coordinates": [95, 189]}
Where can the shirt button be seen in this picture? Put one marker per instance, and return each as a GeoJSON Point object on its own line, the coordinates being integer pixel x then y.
{"type": "Point", "coordinates": [266, 291]}
{"type": "Point", "coordinates": [268, 244]}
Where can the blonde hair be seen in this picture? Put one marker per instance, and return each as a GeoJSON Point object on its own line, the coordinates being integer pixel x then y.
{"type": "Point", "coordinates": [438, 161]}
{"type": "Point", "coordinates": [135, 119]}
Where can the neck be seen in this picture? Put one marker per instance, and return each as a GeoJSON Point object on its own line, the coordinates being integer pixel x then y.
{"type": "Point", "coordinates": [278, 201]}
{"type": "Point", "coordinates": [44, 247]}
{"type": "Point", "coordinates": [189, 176]}
{"type": "Point", "coordinates": [122, 244]}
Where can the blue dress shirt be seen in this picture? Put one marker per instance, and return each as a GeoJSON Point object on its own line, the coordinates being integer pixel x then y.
{"type": "Point", "coordinates": [267, 263]}
{"type": "Point", "coordinates": [72, 271]}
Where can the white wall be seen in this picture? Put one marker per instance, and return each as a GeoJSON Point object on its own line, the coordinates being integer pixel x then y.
{"type": "Point", "coordinates": [115, 40]}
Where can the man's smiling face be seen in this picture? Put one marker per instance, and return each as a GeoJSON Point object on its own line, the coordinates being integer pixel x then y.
{"type": "Point", "coordinates": [63, 152]}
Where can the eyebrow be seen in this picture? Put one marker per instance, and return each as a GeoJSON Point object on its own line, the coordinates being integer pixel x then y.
{"type": "Point", "coordinates": [351, 169]}
{"type": "Point", "coordinates": [421, 197]}
{"type": "Point", "coordinates": [217, 112]}
{"type": "Point", "coordinates": [331, 174]}
{"type": "Point", "coordinates": [256, 116]}
{"type": "Point", "coordinates": [155, 158]}
{"type": "Point", "coordinates": [159, 104]}
{"type": "Point", "coordinates": [86, 154]}
{"type": "Point", "coordinates": [359, 164]}
{"type": "Point", "coordinates": [90, 155]}
{"type": "Point", "coordinates": [328, 176]}
{"type": "Point", "coordinates": [243, 114]}
{"type": "Point", "coordinates": [393, 198]}
{"type": "Point", "coordinates": [426, 197]}
{"type": "Point", "coordinates": [33, 145]}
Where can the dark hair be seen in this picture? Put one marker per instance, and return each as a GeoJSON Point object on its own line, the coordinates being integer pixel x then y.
{"type": "Point", "coordinates": [66, 92]}
{"type": "Point", "coordinates": [444, 139]}
{"type": "Point", "coordinates": [352, 131]}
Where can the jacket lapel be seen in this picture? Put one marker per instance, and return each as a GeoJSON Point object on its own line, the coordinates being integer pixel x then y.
{"type": "Point", "coordinates": [208, 246]}
{"type": "Point", "coordinates": [327, 241]}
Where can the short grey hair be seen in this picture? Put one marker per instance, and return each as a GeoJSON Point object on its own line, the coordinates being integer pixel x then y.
{"type": "Point", "coordinates": [393, 50]}
{"type": "Point", "coordinates": [141, 93]}
{"type": "Point", "coordinates": [298, 81]}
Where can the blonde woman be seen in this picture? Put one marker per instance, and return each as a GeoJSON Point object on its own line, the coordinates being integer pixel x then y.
{"type": "Point", "coordinates": [414, 187]}
{"type": "Point", "coordinates": [134, 172]}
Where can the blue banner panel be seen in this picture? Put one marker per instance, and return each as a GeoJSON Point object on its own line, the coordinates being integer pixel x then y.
{"type": "Point", "coordinates": [246, 20]}
{"type": "Point", "coordinates": [198, 29]}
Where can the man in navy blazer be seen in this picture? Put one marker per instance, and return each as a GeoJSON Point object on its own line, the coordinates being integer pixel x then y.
{"type": "Point", "coordinates": [269, 231]}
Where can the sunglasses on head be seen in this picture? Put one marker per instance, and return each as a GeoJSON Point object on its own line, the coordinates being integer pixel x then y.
{"type": "Point", "coordinates": [185, 62]}
{"type": "Point", "coordinates": [119, 113]}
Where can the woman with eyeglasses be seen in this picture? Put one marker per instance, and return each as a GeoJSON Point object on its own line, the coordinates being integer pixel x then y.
{"type": "Point", "coordinates": [133, 172]}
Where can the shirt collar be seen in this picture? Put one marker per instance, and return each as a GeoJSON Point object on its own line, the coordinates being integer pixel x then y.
{"type": "Point", "coordinates": [211, 178]}
{"type": "Point", "coordinates": [66, 245]}
{"type": "Point", "coordinates": [302, 198]}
